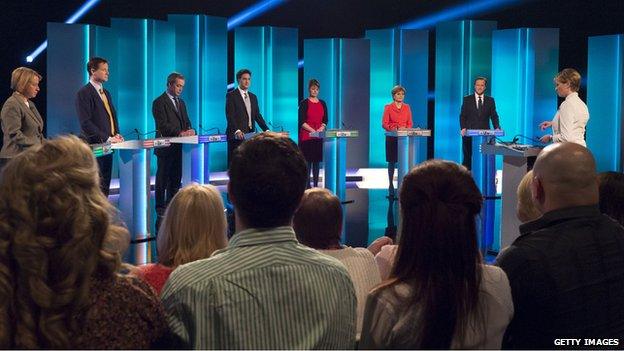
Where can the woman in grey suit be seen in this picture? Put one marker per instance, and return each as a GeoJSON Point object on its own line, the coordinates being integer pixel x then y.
{"type": "Point", "coordinates": [22, 124]}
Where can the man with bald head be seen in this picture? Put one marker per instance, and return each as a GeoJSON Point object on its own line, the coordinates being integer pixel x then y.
{"type": "Point", "coordinates": [566, 269]}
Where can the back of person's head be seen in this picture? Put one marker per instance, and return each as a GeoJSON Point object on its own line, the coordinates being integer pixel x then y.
{"type": "Point", "coordinates": [55, 234]}
{"type": "Point", "coordinates": [564, 175]}
{"type": "Point", "coordinates": [611, 189]}
{"type": "Point", "coordinates": [318, 220]}
{"type": "Point", "coordinates": [437, 253]}
{"type": "Point", "coordinates": [268, 176]}
{"type": "Point", "coordinates": [526, 210]}
{"type": "Point", "coordinates": [193, 227]}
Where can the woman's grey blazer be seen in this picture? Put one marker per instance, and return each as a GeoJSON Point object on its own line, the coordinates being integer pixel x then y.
{"type": "Point", "coordinates": [22, 126]}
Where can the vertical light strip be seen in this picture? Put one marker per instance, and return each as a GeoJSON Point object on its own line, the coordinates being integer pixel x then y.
{"type": "Point", "coordinates": [618, 103]}
{"type": "Point", "coordinates": [145, 100]}
{"type": "Point", "coordinates": [87, 50]}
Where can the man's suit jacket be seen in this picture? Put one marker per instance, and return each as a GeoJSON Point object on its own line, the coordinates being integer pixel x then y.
{"type": "Point", "coordinates": [169, 122]}
{"type": "Point", "coordinates": [94, 121]}
{"type": "Point", "coordinates": [22, 126]}
{"type": "Point", "coordinates": [471, 118]}
{"type": "Point", "coordinates": [236, 114]}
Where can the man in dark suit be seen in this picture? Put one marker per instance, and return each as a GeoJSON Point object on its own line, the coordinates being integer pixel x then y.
{"type": "Point", "coordinates": [476, 112]}
{"type": "Point", "coordinates": [97, 115]}
{"type": "Point", "coordinates": [242, 112]}
{"type": "Point", "coordinates": [172, 120]}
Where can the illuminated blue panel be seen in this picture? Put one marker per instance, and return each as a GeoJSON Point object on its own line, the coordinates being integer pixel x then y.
{"type": "Point", "coordinates": [201, 49]}
{"type": "Point", "coordinates": [524, 62]}
{"type": "Point", "coordinates": [463, 52]}
{"type": "Point", "coordinates": [397, 57]}
{"type": "Point", "coordinates": [271, 54]}
{"type": "Point", "coordinates": [604, 100]}
{"type": "Point", "coordinates": [130, 96]}
{"type": "Point", "coordinates": [321, 57]}
{"type": "Point", "coordinates": [354, 84]}
{"type": "Point", "coordinates": [213, 83]}
{"type": "Point", "coordinates": [65, 76]}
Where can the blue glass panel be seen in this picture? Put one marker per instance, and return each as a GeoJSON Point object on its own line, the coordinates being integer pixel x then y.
{"type": "Point", "coordinates": [604, 100]}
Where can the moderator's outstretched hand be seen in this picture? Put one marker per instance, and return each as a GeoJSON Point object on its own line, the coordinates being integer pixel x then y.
{"type": "Point", "coordinates": [545, 124]}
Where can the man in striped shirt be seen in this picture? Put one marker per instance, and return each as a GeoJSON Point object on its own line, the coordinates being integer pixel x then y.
{"type": "Point", "coordinates": [265, 290]}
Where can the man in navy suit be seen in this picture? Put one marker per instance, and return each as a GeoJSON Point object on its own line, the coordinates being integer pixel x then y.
{"type": "Point", "coordinates": [242, 112]}
{"type": "Point", "coordinates": [172, 120]}
{"type": "Point", "coordinates": [476, 112]}
{"type": "Point", "coordinates": [97, 115]}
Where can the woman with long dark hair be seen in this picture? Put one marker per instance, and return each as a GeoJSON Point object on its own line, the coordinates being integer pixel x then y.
{"type": "Point", "coordinates": [440, 295]}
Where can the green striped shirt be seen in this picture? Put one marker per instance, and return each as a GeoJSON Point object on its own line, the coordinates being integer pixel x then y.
{"type": "Point", "coordinates": [264, 291]}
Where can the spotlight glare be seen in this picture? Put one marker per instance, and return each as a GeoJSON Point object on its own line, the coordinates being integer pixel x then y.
{"type": "Point", "coordinates": [72, 19]}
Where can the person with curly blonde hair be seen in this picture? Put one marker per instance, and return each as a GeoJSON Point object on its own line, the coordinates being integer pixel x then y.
{"type": "Point", "coordinates": [59, 257]}
{"type": "Point", "coordinates": [193, 228]}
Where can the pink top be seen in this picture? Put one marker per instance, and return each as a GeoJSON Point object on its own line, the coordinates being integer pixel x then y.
{"type": "Point", "coordinates": [385, 260]}
{"type": "Point", "coordinates": [314, 119]}
{"type": "Point", "coordinates": [155, 274]}
{"type": "Point", "coordinates": [394, 117]}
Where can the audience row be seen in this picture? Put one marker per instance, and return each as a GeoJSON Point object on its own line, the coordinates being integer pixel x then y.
{"type": "Point", "coordinates": [284, 280]}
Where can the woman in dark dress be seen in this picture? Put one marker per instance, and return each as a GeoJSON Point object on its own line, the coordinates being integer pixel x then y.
{"type": "Point", "coordinates": [312, 118]}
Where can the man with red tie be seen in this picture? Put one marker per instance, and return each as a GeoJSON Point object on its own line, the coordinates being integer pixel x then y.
{"type": "Point", "coordinates": [97, 115]}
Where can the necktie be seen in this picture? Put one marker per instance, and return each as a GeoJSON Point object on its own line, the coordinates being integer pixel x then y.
{"type": "Point", "coordinates": [480, 103]}
{"type": "Point", "coordinates": [248, 107]}
{"type": "Point", "coordinates": [177, 103]}
{"type": "Point", "coordinates": [108, 109]}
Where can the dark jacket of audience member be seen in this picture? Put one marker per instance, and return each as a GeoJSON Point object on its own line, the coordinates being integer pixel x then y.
{"type": "Point", "coordinates": [567, 268]}
{"type": "Point", "coordinates": [59, 253]}
{"type": "Point", "coordinates": [611, 188]}
{"type": "Point", "coordinates": [440, 295]}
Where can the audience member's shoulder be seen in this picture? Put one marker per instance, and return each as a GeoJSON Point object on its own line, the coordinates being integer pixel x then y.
{"type": "Point", "coordinates": [495, 278]}
{"type": "Point", "coordinates": [496, 284]}
{"type": "Point", "coordinates": [517, 255]}
{"type": "Point", "coordinates": [131, 286]}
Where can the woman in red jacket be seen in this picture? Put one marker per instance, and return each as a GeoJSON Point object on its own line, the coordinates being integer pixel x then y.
{"type": "Point", "coordinates": [397, 115]}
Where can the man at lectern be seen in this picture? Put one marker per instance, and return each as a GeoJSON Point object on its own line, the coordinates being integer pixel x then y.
{"type": "Point", "coordinates": [476, 112]}
{"type": "Point", "coordinates": [97, 115]}
{"type": "Point", "coordinates": [172, 120]}
{"type": "Point", "coordinates": [241, 111]}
